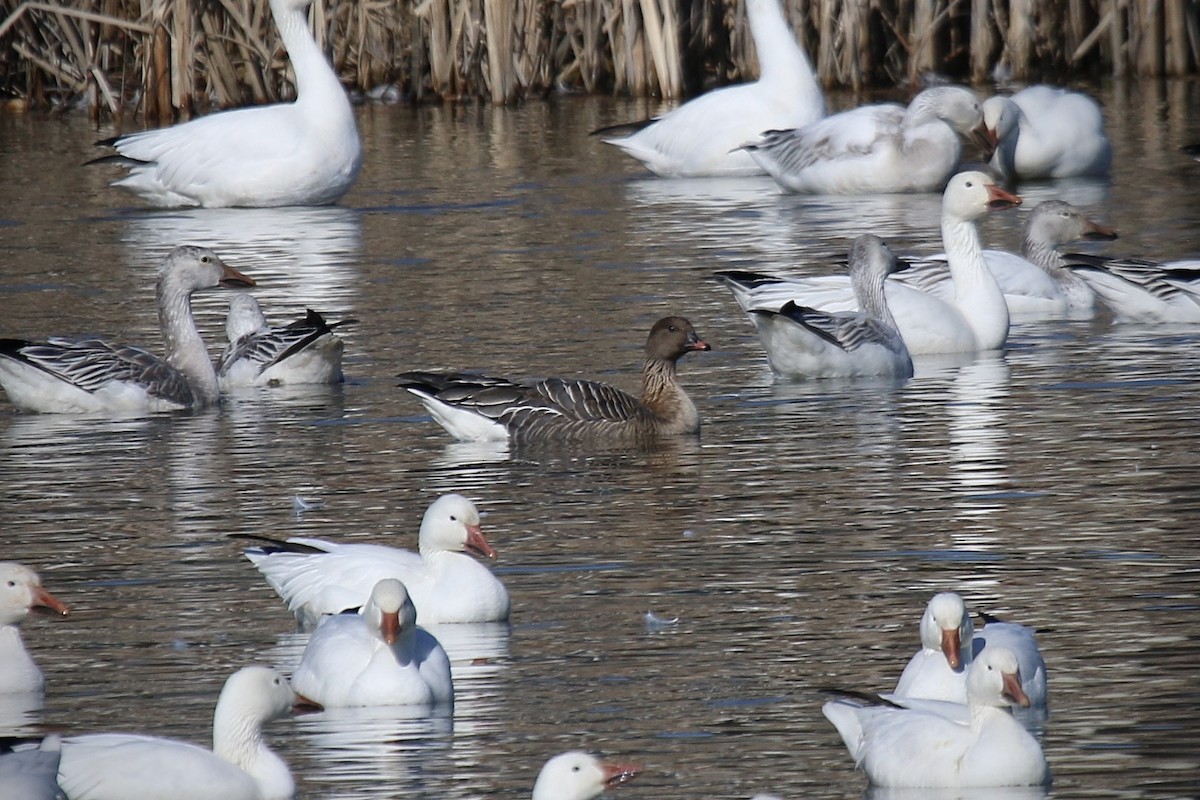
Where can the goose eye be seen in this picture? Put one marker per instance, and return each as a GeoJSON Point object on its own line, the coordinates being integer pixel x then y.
{"type": "Point", "coordinates": [12, 583]}
{"type": "Point", "coordinates": [453, 518]}
{"type": "Point", "coordinates": [575, 768]}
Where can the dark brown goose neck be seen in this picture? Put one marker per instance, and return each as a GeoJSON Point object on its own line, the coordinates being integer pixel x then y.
{"type": "Point", "coordinates": [672, 410]}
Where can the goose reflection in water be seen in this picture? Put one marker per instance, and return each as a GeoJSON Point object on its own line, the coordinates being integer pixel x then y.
{"type": "Point", "coordinates": [302, 257]}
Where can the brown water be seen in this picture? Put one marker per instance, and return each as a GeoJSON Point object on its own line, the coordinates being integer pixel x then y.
{"type": "Point", "coordinates": [797, 541]}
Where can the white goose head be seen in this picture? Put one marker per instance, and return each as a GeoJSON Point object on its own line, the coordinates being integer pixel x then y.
{"type": "Point", "coordinates": [1055, 222]}
{"type": "Point", "coordinates": [452, 524]}
{"type": "Point", "coordinates": [245, 317]}
{"type": "Point", "coordinates": [947, 626]}
{"type": "Point", "coordinates": [970, 195]}
{"type": "Point", "coordinates": [994, 679]}
{"type": "Point", "coordinates": [579, 776]}
{"type": "Point", "coordinates": [389, 612]}
{"type": "Point", "coordinates": [21, 591]}
{"type": "Point", "coordinates": [957, 106]}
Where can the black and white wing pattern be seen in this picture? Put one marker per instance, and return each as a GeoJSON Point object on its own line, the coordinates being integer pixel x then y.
{"type": "Point", "coordinates": [90, 364]}
{"type": "Point", "coordinates": [271, 346]}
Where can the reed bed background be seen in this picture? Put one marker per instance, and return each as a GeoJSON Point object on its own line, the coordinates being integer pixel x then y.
{"type": "Point", "coordinates": [166, 59]}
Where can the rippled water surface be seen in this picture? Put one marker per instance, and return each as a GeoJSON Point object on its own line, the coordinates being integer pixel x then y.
{"type": "Point", "coordinates": [796, 541]}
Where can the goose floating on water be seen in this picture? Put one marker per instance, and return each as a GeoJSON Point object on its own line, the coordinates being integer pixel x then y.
{"type": "Point", "coordinates": [701, 137]}
{"type": "Point", "coordinates": [480, 408]}
{"type": "Point", "coordinates": [950, 642]}
{"type": "Point", "coordinates": [21, 592]}
{"type": "Point", "coordinates": [317, 577]}
{"type": "Point", "coordinates": [577, 775]}
{"type": "Point", "coordinates": [807, 343]}
{"type": "Point", "coordinates": [303, 153]}
{"type": "Point", "coordinates": [875, 149]}
{"type": "Point", "coordinates": [975, 319]}
{"type": "Point", "coordinates": [66, 375]}
{"type": "Point", "coordinates": [119, 766]}
{"type": "Point", "coordinates": [910, 748]}
{"type": "Point", "coordinates": [1044, 132]}
{"type": "Point", "coordinates": [375, 657]}
{"type": "Point", "coordinates": [304, 351]}
{"type": "Point", "coordinates": [1141, 290]}
{"type": "Point", "coordinates": [1037, 283]}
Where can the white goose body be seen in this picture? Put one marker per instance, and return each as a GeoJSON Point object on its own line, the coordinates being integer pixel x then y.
{"type": "Point", "coordinates": [115, 766]}
{"type": "Point", "coordinates": [1037, 283]}
{"type": "Point", "coordinates": [445, 584]}
{"type": "Point", "coordinates": [975, 319]}
{"type": "Point", "coordinates": [950, 642]}
{"type": "Point", "coordinates": [701, 137]}
{"type": "Point", "coordinates": [877, 149]}
{"type": "Point", "coordinates": [377, 657]}
{"type": "Point", "coordinates": [577, 775]}
{"type": "Point", "coordinates": [806, 343]}
{"type": "Point", "coordinates": [20, 592]}
{"type": "Point", "coordinates": [306, 351]}
{"type": "Point", "coordinates": [909, 748]}
{"type": "Point", "coordinates": [1043, 132]}
{"type": "Point", "coordinates": [306, 152]}
{"type": "Point", "coordinates": [89, 375]}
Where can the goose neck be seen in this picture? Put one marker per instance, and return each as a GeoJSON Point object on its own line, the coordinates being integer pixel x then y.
{"type": "Point", "coordinates": [184, 348]}
{"type": "Point", "coordinates": [315, 78]}
{"type": "Point", "coordinates": [780, 57]}
{"type": "Point", "coordinates": [1042, 254]}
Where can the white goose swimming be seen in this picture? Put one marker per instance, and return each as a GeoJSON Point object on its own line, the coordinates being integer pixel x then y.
{"type": "Point", "coordinates": [907, 748]}
{"type": "Point", "coordinates": [306, 152]}
{"type": "Point", "coordinates": [1044, 132]}
{"type": "Point", "coordinates": [876, 149]}
{"type": "Point", "coordinates": [304, 351]}
{"type": "Point", "coordinates": [65, 375]}
{"type": "Point", "coordinates": [20, 592]}
{"type": "Point", "coordinates": [975, 319]}
{"type": "Point", "coordinates": [446, 585]}
{"type": "Point", "coordinates": [950, 642]}
{"type": "Point", "coordinates": [118, 766]}
{"type": "Point", "coordinates": [806, 343]}
{"type": "Point", "coordinates": [701, 137]}
{"type": "Point", "coordinates": [1037, 283]}
{"type": "Point", "coordinates": [577, 775]}
{"type": "Point", "coordinates": [376, 657]}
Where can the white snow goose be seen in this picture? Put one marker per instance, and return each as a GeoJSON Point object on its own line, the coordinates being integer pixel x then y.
{"type": "Point", "coordinates": [975, 319]}
{"type": "Point", "coordinates": [304, 351]}
{"type": "Point", "coordinates": [66, 375]}
{"type": "Point", "coordinates": [30, 772]}
{"type": "Point", "coordinates": [480, 408]}
{"type": "Point", "coordinates": [701, 138]}
{"type": "Point", "coordinates": [375, 657]}
{"type": "Point", "coordinates": [1140, 290]}
{"type": "Point", "coordinates": [876, 149]}
{"type": "Point", "coordinates": [807, 343]}
{"type": "Point", "coordinates": [1044, 132]}
{"type": "Point", "coordinates": [577, 775]}
{"type": "Point", "coordinates": [21, 592]}
{"type": "Point", "coordinates": [303, 153]}
{"type": "Point", "coordinates": [1037, 283]}
{"type": "Point", "coordinates": [317, 577]}
{"type": "Point", "coordinates": [119, 766]}
{"type": "Point", "coordinates": [909, 748]}
{"type": "Point", "coordinates": [950, 642]}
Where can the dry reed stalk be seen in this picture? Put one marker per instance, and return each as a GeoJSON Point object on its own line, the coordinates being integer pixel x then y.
{"type": "Point", "coordinates": [498, 19]}
{"type": "Point", "coordinates": [983, 40]}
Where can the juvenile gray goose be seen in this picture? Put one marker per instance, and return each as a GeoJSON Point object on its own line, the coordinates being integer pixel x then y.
{"type": "Point", "coordinates": [803, 342]}
{"type": "Point", "coordinates": [304, 351]}
{"type": "Point", "coordinates": [481, 408]}
{"type": "Point", "coordinates": [79, 375]}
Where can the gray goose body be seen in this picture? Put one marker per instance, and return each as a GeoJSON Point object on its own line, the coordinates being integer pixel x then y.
{"type": "Point", "coordinates": [480, 408]}
{"type": "Point", "coordinates": [90, 374]}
